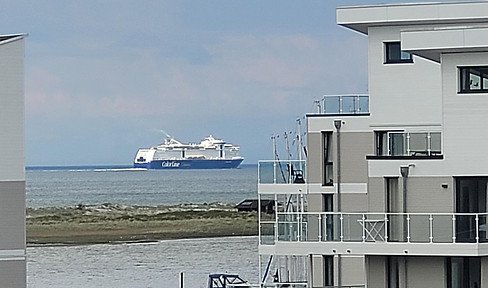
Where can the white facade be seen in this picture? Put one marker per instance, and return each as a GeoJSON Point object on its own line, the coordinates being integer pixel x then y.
{"type": "Point", "coordinates": [395, 196]}
{"type": "Point", "coordinates": [12, 171]}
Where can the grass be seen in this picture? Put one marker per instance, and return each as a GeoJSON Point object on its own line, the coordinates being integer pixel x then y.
{"type": "Point", "coordinates": [115, 224]}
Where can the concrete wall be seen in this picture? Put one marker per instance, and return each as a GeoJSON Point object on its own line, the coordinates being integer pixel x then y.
{"type": "Point", "coordinates": [376, 271]}
{"type": "Point", "coordinates": [314, 157]}
{"type": "Point", "coordinates": [355, 147]}
{"type": "Point", "coordinates": [353, 270]}
{"type": "Point", "coordinates": [12, 111]}
{"type": "Point", "coordinates": [12, 215]}
{"type": "Point", "coordinates": [408, 94]}
{"type": "Point", "coordinates": [426, 272]}
{"type": "Point", "coordinates": [376, 195]}
{"type": "Point", "coordinates": [12, 170]}
{"type": "Point", "coordinates": [465, 118]}
{"type": "Point", "coordinates": [12, 274]}
{"type": "Point", "coordinates": [425, 194]}
{"type": "Point", "coordinates": [421, 272]}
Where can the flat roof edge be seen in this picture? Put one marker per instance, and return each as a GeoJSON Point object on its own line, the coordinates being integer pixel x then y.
{"type": "Point", "coordinates": [359, 18]}
{"type": "Point", "coordinates": [409, 4]}
{"type": "Point", "coordinates": [8, 38]}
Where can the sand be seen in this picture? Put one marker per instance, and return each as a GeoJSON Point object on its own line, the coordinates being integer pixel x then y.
{"type": "Point", "coordinates": [111, 223]}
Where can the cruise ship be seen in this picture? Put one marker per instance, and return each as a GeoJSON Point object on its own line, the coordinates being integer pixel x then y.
{"type": "Point", "coordinates": [210, 153]}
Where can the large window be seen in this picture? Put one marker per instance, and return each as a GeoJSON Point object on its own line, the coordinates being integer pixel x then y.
{"type": "Point", "coordinates": [399, 143]}
{"type": "Point", "coordinates": [473, 79]}
{"type": "Point", "coordinates": [394, 53]}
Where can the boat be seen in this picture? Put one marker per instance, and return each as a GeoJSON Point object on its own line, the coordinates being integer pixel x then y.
{"type": "Point", "coordinates": [227, 281]}
{"type": "Point", "coordinates": [210, 153]}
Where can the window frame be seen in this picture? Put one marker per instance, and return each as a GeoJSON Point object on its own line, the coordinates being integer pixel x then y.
{"type": "Point", "coordinates": [462, 76]}
{"type": "Point", "coordinates": [388, 57]}
{"type": "Point", "coordinates": [327, 162]}
{"type": "Point", "coordinates": [387, 143]}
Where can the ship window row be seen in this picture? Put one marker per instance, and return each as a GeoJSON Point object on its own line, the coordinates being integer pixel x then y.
{"type": "Point", "coordinates": [473, 79]}
{"type": "Point", "coordinates": [400, 143]}
{"type": "Point", "coordinates": [394, 54]}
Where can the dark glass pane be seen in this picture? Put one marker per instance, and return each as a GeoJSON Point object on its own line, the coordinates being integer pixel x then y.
{"type": "Point", "coordinates": [394, 54]}
{"type": "Point", "coordinates": [393, 51]}
{"type": "Point", "coordinates": [397, 144]}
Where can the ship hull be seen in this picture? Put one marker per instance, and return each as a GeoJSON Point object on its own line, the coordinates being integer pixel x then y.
{"type": "Point", "coordinates": [191, 164]}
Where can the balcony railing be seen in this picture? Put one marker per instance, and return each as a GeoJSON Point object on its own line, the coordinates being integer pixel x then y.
{"type": "Point", "coordinates": [344, 104]}
{"type": "Point", "coordinates": [281, 172]}
{"type": "Point", "coordinates": [304, 285]}
{"type": "Point", "coordinates": [377, 227]}
{"type": "Point", "coordinates": [285, 284]}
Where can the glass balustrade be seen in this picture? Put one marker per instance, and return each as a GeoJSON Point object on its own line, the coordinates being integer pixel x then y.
{"type": "Point", "coordinates": [281, 172]}
{"type": "Point", "coordinates": [344, 104]}
{"type": "Point", "coordinates": [382, 227]}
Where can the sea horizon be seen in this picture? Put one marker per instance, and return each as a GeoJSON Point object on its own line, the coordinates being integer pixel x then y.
{"type": "Point", "coordinates": [108, 166]}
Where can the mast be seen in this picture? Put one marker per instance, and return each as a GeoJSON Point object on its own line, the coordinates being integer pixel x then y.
{"type": "Point", "coordinates": [299, 146]}
{"type": "Point", "coordinates": [275, 156]}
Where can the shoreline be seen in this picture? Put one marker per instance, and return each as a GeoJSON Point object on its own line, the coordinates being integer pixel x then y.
{"type": "Point", "coordinates": [117, 224]}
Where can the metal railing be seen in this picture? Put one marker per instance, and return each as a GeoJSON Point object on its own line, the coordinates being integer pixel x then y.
{"type": "Point", "coordinates": [281, 171]}
{"type": "Point", "coordinates": [304, 285]}
{"type": "Point", "coordinates": [344, 104]}
{"type": "Point", "coordinates": [379, 227]}
{"type": "Point", "coordinates": [285, 284]}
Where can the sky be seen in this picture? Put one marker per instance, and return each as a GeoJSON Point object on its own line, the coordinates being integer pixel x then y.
{"type": "Point", "coordinates": [104, 78]}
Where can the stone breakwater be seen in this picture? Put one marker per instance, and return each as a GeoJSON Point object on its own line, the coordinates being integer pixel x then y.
{"type": "Point", "coordinates": [112, 223]}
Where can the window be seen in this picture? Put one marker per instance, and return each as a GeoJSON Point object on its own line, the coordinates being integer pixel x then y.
{"type": "Point", "coordinates": [328, 176]}
{"type": "Point", "coordinates": [463, 272]}
{"type": "Point", "coordinates": [471, 198]}
{"type": "Point", "coordinates": [328, 271]}
{"type": "Point", "coordinates": [393, 272]}
{"type": "Point", "coordinates": [473, 79]}
{"type": "Point", "coordinates": [394, 54]}
{"type": "Point", "coordinates": [399, 143]}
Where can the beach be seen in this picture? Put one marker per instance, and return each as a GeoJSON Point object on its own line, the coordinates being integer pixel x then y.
{"type": "Point", "coordinates": [112, 223]}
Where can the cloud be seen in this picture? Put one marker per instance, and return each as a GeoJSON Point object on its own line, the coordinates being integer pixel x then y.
{"type": "Point", "coordinates": [247, 74]}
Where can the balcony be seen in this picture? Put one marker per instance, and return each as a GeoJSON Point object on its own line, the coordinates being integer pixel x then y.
{"type": "Point", "coordinates": [282, 176]}
{"type": "Point", "coordinates": [343, 104]}
{"type": "Point", "coordinates": [455, 234]}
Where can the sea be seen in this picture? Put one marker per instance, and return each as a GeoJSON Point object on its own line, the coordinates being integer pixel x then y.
{"type": "Point", "coordinates": [160, 264]}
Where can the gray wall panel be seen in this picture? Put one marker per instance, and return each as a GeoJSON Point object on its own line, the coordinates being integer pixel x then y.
{"type": "Point", "coordinates": [426, 272]}
{"type": "Point", "coordinates": [376, 195]}
{"type": "Point", "coordinates": [12, 274]}
{"type": "Point", "coordinates": [353, 270]}
{"type": "Point", "coordinates": [12, 215]}
{"type": "Point", "coordinates": [425, 194]}
{"type": "Point", "coordinates": [375, 269]}
{"type": "Point", "coordinates": [314, 158]}
{"type": "Point", "coordinates": [354, 148]}
{"type": "Point", "coordinates": [354, 202]}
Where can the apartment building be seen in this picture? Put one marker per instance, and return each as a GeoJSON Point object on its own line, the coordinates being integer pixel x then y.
{"type": "Point", "coordinates": [12, 169]}
{"type": "Point", "coordinates": [393, 191]}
